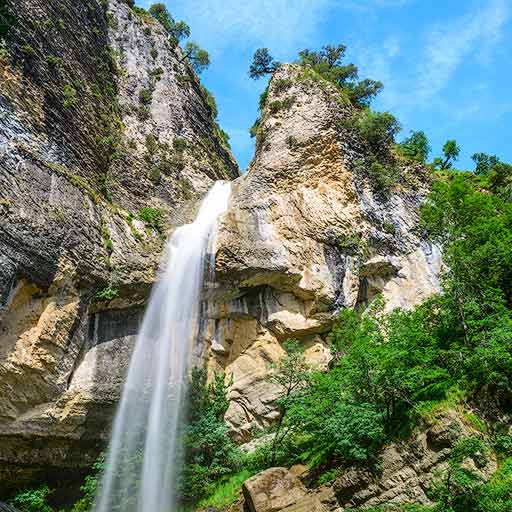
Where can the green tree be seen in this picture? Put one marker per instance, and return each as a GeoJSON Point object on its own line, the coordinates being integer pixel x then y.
{"type": "Point", "coordinates": [198, 57]}
{"type": "Point", "coordinates": [475, 229]}
{"type": "Point", "coordinates": [177, 30]}
{"type": "Point", "coordinates": [262, 64]}
{"type": "Point", "coordinates": [415, 147]}
{"type": "Point", "coordinates": [291, 375]}
{"type": "Point", "coordinates": [484, 163]}
{"type": "Point", "coordinates": [328, 63]}
{"type": "Point", "coordinates": [378, 128]}
{"type": "Point", "coordinates": [497, 174]}
{"type": "Point", "coordinates": [209, 452]}
{"type": "Point", "coordinates": [451, 153]}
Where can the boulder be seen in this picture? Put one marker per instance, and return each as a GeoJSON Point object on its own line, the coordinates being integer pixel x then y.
{"type": "Point", "coordinates": [273, 490]}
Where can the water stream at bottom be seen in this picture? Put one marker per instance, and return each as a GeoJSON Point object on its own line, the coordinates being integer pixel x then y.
{"type": "Point", "coordinates": [143, 461]}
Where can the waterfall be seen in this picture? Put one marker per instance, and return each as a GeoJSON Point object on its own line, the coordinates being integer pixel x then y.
{"type": "Point", "coordinates": [143, 461]}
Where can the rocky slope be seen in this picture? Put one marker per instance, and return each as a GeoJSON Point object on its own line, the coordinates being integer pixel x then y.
{"type": "Point", "coordinates": [307, 234]}
{"type": "Point", "coordinates": [100, 117]}
{"type": "Point", "coordinates": [404, 476]}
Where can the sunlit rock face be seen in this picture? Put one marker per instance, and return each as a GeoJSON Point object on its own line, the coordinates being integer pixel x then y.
{"type": "Point", "coordinates": [306, 235]}
{"type": "Point", "coordinates": [82, 150]}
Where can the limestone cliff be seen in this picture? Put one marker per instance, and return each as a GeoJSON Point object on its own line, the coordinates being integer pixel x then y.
{"type": "Point", "coordinates": [308, 233]}
{"type": "Point", "coordinates": [100, 118]}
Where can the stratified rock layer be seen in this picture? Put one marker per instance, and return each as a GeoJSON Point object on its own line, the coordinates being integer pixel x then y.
{"type": "Point", "coordinates": [307, 234]}
{"type": "Point", "coordinates": [99, 117]}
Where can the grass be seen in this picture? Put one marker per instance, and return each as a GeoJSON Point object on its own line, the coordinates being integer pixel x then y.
{"type": "Point", "coordinates": [227, 491]}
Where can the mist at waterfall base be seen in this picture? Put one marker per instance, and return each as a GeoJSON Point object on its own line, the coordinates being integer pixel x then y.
{"type": "Point", "coordinates": [143, 461]}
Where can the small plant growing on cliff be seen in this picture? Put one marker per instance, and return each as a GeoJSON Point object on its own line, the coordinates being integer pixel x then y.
{"type": "Point", "coordinates": [291, 142]}
{"type": "Point", "coordinates": [108, 293]}
{"type": "Point", "coordinates": [278, 105]}
{"type": "Point", "coordinates": [70, 96]}
{"type": "Point", "coordinates": [33, 500]}
{"type": "Point", "coordinates": [28, 50]}
{"type": "Point", "coordinates": [54, 62]}
{"type": "Point", "coordinates": [179, 144]}
{"type": "Point", "coordinates": [145, 97]}
{"type": "Point", "coordinates": [152, 217]}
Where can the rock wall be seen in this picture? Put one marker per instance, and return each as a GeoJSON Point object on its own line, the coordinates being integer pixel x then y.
{"type": "Point", "coordinates": [99, 117]}
{"type": "Point", "coordinates": [307, 234]}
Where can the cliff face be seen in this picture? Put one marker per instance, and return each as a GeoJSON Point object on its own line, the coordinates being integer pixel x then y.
{"type": "Point", "coordinates": [308, 233]}
{"type": "Point", "coordinates": [100, 118]}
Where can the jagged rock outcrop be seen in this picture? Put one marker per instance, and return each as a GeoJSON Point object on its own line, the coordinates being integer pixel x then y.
{"type": "Point", "coordinates": [99, 117]}
{"type": "Point", "coordinates": [308, 233]}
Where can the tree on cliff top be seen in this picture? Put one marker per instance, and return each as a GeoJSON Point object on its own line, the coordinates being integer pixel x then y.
{"type": "Point", "coordinates": [328, 63]}
{"type": "Point", "coordinates": [451, 152]}
{"type": "Point", "coordinates": [262, 64]}
{"type": "Point", "coordinates": [198, 57]}
{"type": "Point", "coordinates": [177, 30]}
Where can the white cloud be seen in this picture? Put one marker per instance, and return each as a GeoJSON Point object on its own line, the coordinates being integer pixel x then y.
{"type": "Point", "coordinates": [473, 35]}
{"type": "Point", "coordinates": [277, 24]}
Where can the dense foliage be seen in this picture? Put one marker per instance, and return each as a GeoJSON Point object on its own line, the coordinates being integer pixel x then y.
{"type": "Point", "coordinates": [209, 453]}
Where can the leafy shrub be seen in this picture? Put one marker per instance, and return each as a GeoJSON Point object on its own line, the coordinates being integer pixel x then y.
{"type": "Point", "coordinates": [145, 97]}
{"type": "Point", "coordinates": [179, 144]}
{"type": "Point", "coordinates": [415, 147]}
{"type": "Point", "coordinates": [33, 500]}
{"type": "Point", "coordinates": [378, 128]}
{"type": "Point", "coordinates": [108, 293]}
{"type": "Point", "coordinates": [382, 177]}
{"type": "Point", "coordinates": [278, 105]}
{"type": "Point", "coordinates": [69, 96]}
{"type": "Point", "coordinates": [282, 85]}
{"type": "Point", "coordinates": [90, 487]}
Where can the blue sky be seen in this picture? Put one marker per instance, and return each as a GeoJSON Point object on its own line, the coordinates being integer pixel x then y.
{"type": "Point", "coordinates": [446, 65]}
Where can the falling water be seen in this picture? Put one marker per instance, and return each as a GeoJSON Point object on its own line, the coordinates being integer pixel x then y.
{"type": "Point", "coordinates": [143, 461]}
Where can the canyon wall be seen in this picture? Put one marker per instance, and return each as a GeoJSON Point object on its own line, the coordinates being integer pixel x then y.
{"type": "Point", "coordinates": [107, 141]}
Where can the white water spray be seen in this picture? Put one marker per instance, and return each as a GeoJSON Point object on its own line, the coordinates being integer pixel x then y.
{"type": "Point", "coordinates": [143, 460]}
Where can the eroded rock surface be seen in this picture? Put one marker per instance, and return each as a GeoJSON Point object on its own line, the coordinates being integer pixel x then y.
{"type": "Point", "coordinates": [307, 234]}
{"type": "Point", "coordinates": [277, 489]}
